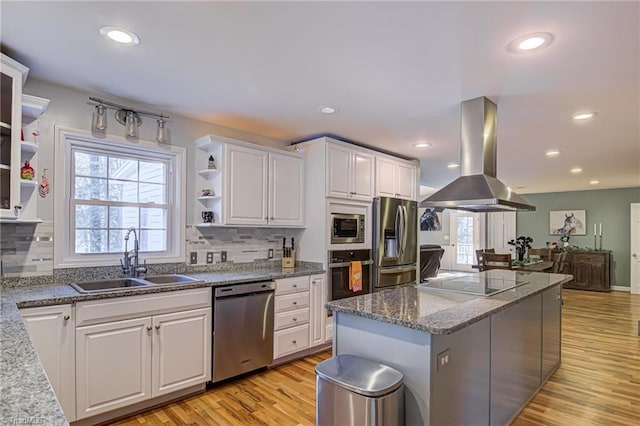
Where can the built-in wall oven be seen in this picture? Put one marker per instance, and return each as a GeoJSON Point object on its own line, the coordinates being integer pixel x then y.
{"type": "Point", "coordinates": [347, 228]}
{"type": "Point", "coordinates": [339, 273]}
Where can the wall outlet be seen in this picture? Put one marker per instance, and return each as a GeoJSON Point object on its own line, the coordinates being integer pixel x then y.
{"type": "Point", "coordinates": [223, 256]}
{"type": "Point", "coordinates": [209, 257]}
{"type": "Point", "coordinates": [193, 257]}
{"type": "Point", "coordinates": [270, 254]}
{"type": "Point", "coordinates": [443, 359]}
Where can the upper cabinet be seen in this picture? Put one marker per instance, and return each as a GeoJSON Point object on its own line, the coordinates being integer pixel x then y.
{"type": "Point", "coordinates": [250, 185]}
{"type": "Point", "coordinates": [349, 173]}
{"type": "Point", "coordinates": [395, 178]}
{"type": "Point", "coordinates": [18, 158]}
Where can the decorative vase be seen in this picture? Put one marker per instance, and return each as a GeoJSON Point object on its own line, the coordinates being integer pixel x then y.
{"type": "Point", "coordinates": [26, 171]}
{"type": "Point", "coordinates": [520, 253]}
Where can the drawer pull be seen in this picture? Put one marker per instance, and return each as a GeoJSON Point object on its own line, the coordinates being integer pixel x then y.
{"type": "Point", "coordinates": [295, 286]}
{"type": "Point", "coordinates": [294, 341]}
{"type": "Point", "coordinates": [294, 302]}
{"type": "Point", "coordinates": [294, 319]}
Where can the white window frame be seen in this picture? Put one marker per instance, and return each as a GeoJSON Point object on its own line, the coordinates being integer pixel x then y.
{"type": "Point", "coordinates": [65, 140]}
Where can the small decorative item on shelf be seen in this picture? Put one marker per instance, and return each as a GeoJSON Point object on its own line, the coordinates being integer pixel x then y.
{"type": "Point", "coordinates": [26, 171]}
{"type": "Point", "coordinates": [4, 203]}
{"type": "Point", "coordinates": [522, 243]}
{"type": "Point", "coordinates": [44, 184]}
{"type": "Point", "coordinates": [35, 134]}
{"type": "Point", "coordinates": [212, 163]}
{"type": "Point", "coordinates": [207, 216]}
{"type": "Point", "coordinates": [288, 254]}
{"type": "Point", "coordinates": [22, 135]}
{"type": "Point", "coordinates": [207, 192]}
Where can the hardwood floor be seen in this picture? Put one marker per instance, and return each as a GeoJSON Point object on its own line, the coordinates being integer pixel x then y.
{"type": "Point", "coordinates": [598, 382]}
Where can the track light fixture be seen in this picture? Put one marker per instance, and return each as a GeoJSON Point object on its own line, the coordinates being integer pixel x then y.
{"type": "Point", "coordinates": [128, 117]}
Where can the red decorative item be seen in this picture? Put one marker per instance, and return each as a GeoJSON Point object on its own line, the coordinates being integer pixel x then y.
{"type": "Point", "coordinates": [44, 185]}
{"type": "Point", "coordinates": [26, 171]}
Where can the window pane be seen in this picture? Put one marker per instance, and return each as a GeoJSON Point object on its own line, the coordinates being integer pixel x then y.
{"type": "Point", "coordinates": [123, 168]}
{"type": "Point", "coordinates": [123, 191]}
{"type": "Point", "coordinates": [123, 217]}
{"type": "Point", "coordinates": [91, 216]}
{"type": "Point", "coordinates": [152, 193]}
{"type": "Point", "coordinates": [116, 240]}
{"type": "Point", "coordinates": [90, 188]}
{"type": "Point", "coordinates": [87, 164]}
{"type": "Point", "coordinates": [153, 240]}
{"type": "Point", "coordinates": [91, 241]}
{"type": "Point", "coordinates": [153, 218]}
{"type": "Point", "coordinates": [152, 172]}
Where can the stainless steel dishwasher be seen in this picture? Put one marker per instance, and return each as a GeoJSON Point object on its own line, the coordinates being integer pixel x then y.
{"type": "Point", "coordinates": [242, 328]}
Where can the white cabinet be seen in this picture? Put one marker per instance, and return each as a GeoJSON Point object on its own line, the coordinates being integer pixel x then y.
{"type": "Point", "coordinates": [251, 185]}
{"type": "Point", "coordinates": [17, 195]}
{"type": "Point", "coordinates": [318, 320]}
{"type": "Point", "coordinates": [395, 178]}
{"type": "Point", "coordinates": [349, 173]}
{"type": "Point", "coordinates": [291, 316]}
{"type": "Point", "coordinates": [131, 349]}
{"type": "Point", "coordinates": [52, 333]}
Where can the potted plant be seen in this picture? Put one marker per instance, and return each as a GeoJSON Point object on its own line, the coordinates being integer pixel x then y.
{"type": "Point", "coordinates": [522, 243]}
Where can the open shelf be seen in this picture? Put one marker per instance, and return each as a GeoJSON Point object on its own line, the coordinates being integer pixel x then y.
{"type": "Point", "coordinates": [208, 225]}
{"type": "Point", "coordinates": [16, 220]}
{"type": "Point", "coordinates": [208, 173]}
{"type": "Point", "coordinates": [28, 183]}
{"type": "Point", "coordinates": [209, 197]}
{"type": "Point", "coordinates": [28, 147]}
{"type": "Point", "coordinates": [32, 108]}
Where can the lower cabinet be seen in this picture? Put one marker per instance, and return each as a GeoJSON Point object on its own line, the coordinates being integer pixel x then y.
{"type": "Point", "coordinates": [318, 298]}
{"type": "Point", "coordinates": [590, 270]}
{"type": "Point", "coordinates": [551, 330]}
{"type": "Point", "coordinates": [126, 361]}
{"type": "Point", "coordinates": [51, 330]}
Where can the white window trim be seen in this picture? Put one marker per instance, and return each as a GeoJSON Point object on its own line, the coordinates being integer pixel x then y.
{"type": "Point", "coordinates": [64, 253]}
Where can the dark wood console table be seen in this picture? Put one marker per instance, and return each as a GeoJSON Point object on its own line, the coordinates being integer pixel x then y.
{"type": "Point", "coordinates": [591, 270]}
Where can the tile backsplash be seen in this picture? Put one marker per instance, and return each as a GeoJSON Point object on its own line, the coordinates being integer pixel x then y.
{"type": "Point", "coordinates": [27, 249]}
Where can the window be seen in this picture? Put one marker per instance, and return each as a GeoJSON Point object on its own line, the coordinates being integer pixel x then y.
{"type": "Point", "coordinates": [111, 186]}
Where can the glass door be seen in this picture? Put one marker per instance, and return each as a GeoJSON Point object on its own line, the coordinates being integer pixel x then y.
{"type": "Point", "coordinates": [464, 234]}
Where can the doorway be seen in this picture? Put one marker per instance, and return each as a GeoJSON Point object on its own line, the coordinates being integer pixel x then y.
{"type": "Point", "coordinates": [465, 237]}
{"type": "Point", "coordinates": [635, 249]}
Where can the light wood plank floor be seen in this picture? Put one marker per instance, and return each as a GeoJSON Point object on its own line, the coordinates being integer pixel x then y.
{"type": "Point", "coordinates": [597, 384]}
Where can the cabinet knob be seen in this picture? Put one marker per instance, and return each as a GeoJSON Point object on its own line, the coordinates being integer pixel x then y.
{"type": "Point", "coordinates": [295, 286]}
{"type": "Point", "coordinates": [148, 328]}
{"type": "Point", "coordinates": [294, 319]}
{"type": "Point", "coordinates": [294, 341]}
{"type": "Point", "coordinates": [158, 327]}
{"type": "Point", "coordinates": [17, 207]}
{"type": "Point", "coordinates": [66, 317]}
{"type": "Point", "coordinates": [294, 302]}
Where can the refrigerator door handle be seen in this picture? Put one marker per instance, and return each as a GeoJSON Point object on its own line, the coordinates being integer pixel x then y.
{"type": "Point", "coordinates": [398, 231]}
{"type": "Point", "coordinates": [404, 229]}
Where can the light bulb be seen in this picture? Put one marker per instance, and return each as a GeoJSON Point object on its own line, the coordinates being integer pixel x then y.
{"type": "Point", "coordinates": [100, 118]}
{"type": "Point", "coordinates": [162, 133]}
{"type": "Point", "coordinates": [131, 124]}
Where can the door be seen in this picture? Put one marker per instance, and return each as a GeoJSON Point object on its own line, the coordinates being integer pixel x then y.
{"type": "Point", "coordinates": [501, 227]}
{"type": "Point", "coordinates": [181, 350]}
{"type": "Point", "coordinates": [113, 365]}
{"type": "Point", "coordinates": [247, 186]}
{"type": "Point", "coordinates": [317, 295]}
{"type": "Point", "coordinates": [52, 333]}
{"type": "Point", "coordinates": [285, 190]}
{"type": "Point", "coordinates": [406, 181]}
{"type": "Point", "coordinates": [338, 171]}
{"type": "Point", "coordinates": [635, 248]}
{"type": "Point", "coordinates": [465, 237]}
{"type": "Point", "coordinates": [362, 177]}
{"type": "Point", "coordinates": [385, 177]}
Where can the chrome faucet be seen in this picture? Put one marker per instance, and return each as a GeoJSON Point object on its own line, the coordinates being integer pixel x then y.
{"type": "Point", "coordinates": [130, 262]}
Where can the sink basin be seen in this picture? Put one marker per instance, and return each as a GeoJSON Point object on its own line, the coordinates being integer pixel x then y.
{"type": "Point", "coordinates": [170, 279]}
{"type": "Point", "coordinates": [108, 285]}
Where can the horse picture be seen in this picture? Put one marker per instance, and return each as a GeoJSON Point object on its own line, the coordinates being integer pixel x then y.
{"type": "Point", "coordinates": [429, 221]}
{"type": "Point", "coordinates": [570, 222]}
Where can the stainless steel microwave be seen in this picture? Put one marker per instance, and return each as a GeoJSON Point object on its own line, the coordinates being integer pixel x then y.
{"type": "Point", "coordinates": [347, 228]}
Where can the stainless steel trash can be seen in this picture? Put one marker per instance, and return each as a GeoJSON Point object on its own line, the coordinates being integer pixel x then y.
{"type": "Point", "coordinates": [351, 390]}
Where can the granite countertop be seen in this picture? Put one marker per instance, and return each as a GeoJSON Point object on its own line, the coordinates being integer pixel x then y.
{"type": "Point", "coordinates": [439, 311]}
{"type": "Point", "coordinates": [26, 394]}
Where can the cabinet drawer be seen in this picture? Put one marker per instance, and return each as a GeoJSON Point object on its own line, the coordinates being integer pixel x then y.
{"type": "Point", "coordinates": [292, 285]}
{"type": "Point", "coordinates": [291, 340]}
{"type": "Point", "coordinates": [291, 318]}
{"type": "Point", "coordinates": [120, 308]}
{"type": "Point", "coordinates": [290, 302]}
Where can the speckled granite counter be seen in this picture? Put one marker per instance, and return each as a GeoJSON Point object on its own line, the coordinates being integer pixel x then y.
{"type": "Point", "coordinates": [440, 311]}
{"type": "Point", "coordinates": [26, 395]}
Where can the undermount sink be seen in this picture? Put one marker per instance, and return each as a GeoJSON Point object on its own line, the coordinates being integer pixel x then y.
{"type": "Point", "coordinates": [170, 279]}
{"type": "Point", "coordinates": [128, 283]}
{"type": "Point", "coordinates": [108, 285]}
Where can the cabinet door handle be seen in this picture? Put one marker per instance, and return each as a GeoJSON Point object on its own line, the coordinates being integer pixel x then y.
{"type": "Point", "coordinates": [158, 327]}
{"type": "Point", "coordinates": [66, 318]}
{"type": "Point", "coordinates": [148, 328]}
{"type": "Point", "coordinates": [295, 286]}
{"type": "Point", "coordinates": [294, 319]}
{"type": "Point", "coordinates": [294, 302]}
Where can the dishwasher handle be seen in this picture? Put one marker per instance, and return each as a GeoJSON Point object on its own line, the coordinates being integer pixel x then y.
{"type": "Point", "coordinates": [242, 289]}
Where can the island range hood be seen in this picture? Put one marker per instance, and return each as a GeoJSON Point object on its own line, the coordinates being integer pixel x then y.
{"type": "Point", "coordinates": [477, 189]}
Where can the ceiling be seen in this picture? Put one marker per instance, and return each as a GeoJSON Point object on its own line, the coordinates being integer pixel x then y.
{"type": "Point", "coordinates": [396, 71]}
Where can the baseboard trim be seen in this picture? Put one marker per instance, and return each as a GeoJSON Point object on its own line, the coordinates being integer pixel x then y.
{"type": "Point", "coordinates": [621, 288]}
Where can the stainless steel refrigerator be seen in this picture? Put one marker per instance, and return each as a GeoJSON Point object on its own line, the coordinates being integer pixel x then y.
{"type": "Point", "coordinates": [395, 242]}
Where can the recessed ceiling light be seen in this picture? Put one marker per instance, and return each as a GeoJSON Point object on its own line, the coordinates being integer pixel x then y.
{"type": "Point", "coordinates": [120, 35]}
{"type": "Point", "coordinates": [422, 145]}
{"type": "Point", "coordinates": [576, 170]}
{"type": "Point", "coordinates": [594, 182]}
{"type": "Point", "coordinates": [453, 165]}
{"type": "Point", "coordinates": [328, 110]}
{"type": "Point", "coordinates": [584, 115]}
{"type": "Point", "coordinates": [552, 153]}
{"type": "Point", "coordinates": [529, 42]}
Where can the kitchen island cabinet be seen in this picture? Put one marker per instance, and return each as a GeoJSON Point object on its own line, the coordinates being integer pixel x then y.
{"type": "Point", "coordinates": [485, 356]}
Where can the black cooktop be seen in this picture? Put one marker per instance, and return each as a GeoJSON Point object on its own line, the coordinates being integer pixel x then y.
{"type": "Point", "coordinates": [476, 285]}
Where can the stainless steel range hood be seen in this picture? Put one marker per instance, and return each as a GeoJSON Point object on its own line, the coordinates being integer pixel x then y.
{"type": "Point", "coordinates": [477, 188]}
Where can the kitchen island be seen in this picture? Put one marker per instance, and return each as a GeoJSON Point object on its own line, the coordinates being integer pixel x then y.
{"type": "Point", "coordinates": [466, 358]}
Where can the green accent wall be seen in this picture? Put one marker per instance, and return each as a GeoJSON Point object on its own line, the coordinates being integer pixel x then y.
{"type": "Point", "coordinates": [607, 206]}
